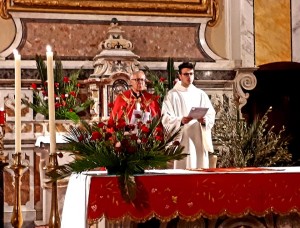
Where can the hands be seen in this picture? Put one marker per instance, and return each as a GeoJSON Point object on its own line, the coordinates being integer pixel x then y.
{"type": "Point", "coordinates": [186, 119]}
{"type": "Point", "coordinates": [202, 121]}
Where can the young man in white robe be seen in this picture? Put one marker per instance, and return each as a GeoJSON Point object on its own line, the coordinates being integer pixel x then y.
{"type": "Point", "coordinates": [196, 133]}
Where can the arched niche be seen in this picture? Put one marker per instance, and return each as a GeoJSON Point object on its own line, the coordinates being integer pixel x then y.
{"type": "Point", "coordinates": [277, 86]}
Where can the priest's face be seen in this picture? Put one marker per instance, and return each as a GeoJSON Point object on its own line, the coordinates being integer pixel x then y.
{"type": "Point", "coordinates": [186, 77]}
{"type": "Point", "coordinates": [138, 81]}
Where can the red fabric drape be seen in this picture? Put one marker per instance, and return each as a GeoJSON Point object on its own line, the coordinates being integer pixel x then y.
{"type": "Point", "coordinates": [193, 195]}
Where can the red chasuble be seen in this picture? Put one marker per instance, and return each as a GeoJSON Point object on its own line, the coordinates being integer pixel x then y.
{"type": "Point", "coordinates": [127, 100]}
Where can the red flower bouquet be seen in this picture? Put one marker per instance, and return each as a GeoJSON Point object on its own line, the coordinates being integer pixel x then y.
{"type": "Point", "coordinates": [67, 103]}
{"type": "Point", "coordinates": [122, 148]}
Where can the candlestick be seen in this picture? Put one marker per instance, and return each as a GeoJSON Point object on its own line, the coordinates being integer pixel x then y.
{"type": "Point", "coordinates": [51, 105]}
{"type": "Point", "coordinates": [18, 129]}
{"type": "Point", "coordinates": [2, 116]}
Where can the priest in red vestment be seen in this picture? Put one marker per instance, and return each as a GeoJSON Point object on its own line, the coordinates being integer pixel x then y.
{"type": "Point", "coordinates": [136, 98]}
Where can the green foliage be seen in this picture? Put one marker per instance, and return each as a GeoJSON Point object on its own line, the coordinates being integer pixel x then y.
{"type": "Point", "coordinates": [171, 73]}
{"type": "Point", "coordinates": [159, 83]}
{"type": "Point", "coordinates": [248, 145]}
{"type": "Point", "coordinates": [121, 148]}
{"type": "Point", "coordinates": [67, 103]}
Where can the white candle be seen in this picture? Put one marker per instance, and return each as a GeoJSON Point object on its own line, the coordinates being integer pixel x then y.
{"type": "Point", "coordinates": [138, 106]}
{"type": "Point", "coordinates": [51, 105]}
{"type": "Point", "coordinates": [18, 129]}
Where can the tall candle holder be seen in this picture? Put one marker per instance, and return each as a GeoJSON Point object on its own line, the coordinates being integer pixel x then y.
{"type": "Point", "coordinates": [54, 219]}
{"type": "Point", "coordinates": [18, 167]}
{"type": "Point", "coordinates": [2, 165]}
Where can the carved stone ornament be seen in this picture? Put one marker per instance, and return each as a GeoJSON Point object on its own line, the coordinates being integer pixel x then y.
{"type": "Point", "coordinates": [116, 55]}
{"type": "Point", "coordinates": [245, 80]}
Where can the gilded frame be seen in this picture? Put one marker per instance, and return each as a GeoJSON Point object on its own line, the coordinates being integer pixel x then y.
{"type": "Point", "coordinates": [177, 8]}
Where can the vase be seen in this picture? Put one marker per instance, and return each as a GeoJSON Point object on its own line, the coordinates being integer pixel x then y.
{"type": "Point", "coordinates": [117, 171]}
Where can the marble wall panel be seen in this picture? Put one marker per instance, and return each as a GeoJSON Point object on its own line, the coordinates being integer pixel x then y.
{"type": "Point", "coordinates": [295, 4]}
{"type": "Point", "coordinates": [272, 31]}
{"type": "Point", "coordinates": [79, 41]}
{"type": "Point", "coordinates": [247, 33]}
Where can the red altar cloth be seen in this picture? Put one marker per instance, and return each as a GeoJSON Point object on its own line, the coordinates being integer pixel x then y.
{"type": "Point", "coordinates": [191, 196]}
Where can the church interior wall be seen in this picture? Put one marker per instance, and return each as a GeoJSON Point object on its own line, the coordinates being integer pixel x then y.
{"type": "Point", "coordinates": [273, 33]}
{"type": "Point", "coordinates": [75, 39]}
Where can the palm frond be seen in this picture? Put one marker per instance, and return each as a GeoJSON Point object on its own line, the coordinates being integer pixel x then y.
{"type": "Point", "coordinates": [94, 145]}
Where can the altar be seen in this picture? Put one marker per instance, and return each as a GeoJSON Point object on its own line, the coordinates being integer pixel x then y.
{"type": "Point", "coordinates": [265, 196]}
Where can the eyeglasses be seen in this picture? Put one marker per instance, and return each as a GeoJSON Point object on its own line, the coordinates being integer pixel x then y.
{"type": "Point", "coordinates": [188, 74]}
{"type": "Point", "coordinates": [138, 79]}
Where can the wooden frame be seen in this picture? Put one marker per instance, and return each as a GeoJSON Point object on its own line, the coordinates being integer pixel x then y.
{"type": "Point", "coordinates": [178, 8]}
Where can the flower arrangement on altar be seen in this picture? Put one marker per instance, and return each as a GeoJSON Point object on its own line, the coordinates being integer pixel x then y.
{"type": "Point", "coordinates": [121, 148]}
{"type": "Point", "coordinates": [67, 103]}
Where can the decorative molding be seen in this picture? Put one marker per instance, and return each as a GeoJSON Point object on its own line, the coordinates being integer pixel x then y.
{"type": "Point", "coordinates": [204, 45]}
{"type": "Point", "coordinates": [244, 80]}
{"type": "Point", "coordinates": [3, 10]}
{"type": "Point", "coordinates": [17, 40]}
{"type": "Point", "coordinates": [179, 8]}
{"type": "Point", "coordinates": [216, 12]}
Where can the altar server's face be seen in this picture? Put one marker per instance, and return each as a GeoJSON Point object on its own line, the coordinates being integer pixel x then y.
{"type": "Point", "coordinates": [186, 77]}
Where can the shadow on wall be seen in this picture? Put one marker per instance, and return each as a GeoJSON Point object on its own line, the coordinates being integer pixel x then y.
{"type": "Point", "coordinates": [277, 87]}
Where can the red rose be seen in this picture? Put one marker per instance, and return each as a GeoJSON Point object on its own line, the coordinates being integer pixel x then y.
{"type": "Point", "coordinates": [121, 124]}
{"type": "Point", "coordinates": [130, 127]}
{"type": "Point", "coordinates": [34, 86]}
{"type": "Point", "coordinates": [158, 129]}
{"type": "Point", "coordinates": [66, 79]}
{"type": "Point", "coordinates": [145, 129]}
{"type": "Point", "coordinates": [101, 125]}
{"type": "Point", "coordinates": [159, 138]}
{"type": "Point", "coordinates": [95, 135]}
{"type": "Point", "coordinates": [144, 140]}
{"type": "Point", "coordinates": [134, 137]}
{"type": "Point", "coordinates": [73, 93]}
{"type": "Point", "coordinates": [58, 105]}
{"type": "Point", "coordinates": [110, 123]}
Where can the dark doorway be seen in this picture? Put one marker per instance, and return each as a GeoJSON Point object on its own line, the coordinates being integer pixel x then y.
{"type": "Point", "coordinates": [277, 87]}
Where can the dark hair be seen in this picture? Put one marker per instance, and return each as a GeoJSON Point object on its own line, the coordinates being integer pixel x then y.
{"type": "Point", "coordinates": [185, 65]}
